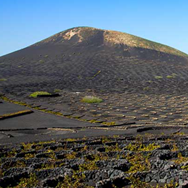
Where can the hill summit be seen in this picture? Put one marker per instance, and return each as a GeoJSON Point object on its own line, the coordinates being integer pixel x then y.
{"type": "Point", "coordinates": [84, 58]}
{"type": "Point", "coordinates": [107, 37]}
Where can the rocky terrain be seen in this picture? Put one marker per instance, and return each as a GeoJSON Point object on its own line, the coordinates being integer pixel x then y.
{"type": "Point", "coordinates": [117, 161]}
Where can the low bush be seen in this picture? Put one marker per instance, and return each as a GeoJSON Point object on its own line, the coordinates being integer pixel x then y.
{"type": "Point", "coordinates": [91, 99]}
{"type": "Point", "coordinates": [35, 94]}
{"type": "Point", "coordinates": [3, 79]}
{"type": "Point", "coordinates": [158, 77]}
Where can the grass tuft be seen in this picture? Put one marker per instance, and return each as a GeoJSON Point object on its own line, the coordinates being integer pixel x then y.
{"type": "Point", "coordinates": [91, 99]}
{"type": "Point", "coordinates": [57, 90]}
{"type": "Point", "coordinates": [35, 94]}
{"type": "Point", "coordinates": [41, 61]}
{"type": "Point", "coordinates": [158, 77]}
{"type": "Point", "coordinates": [3, 79]}
{"type": "Point", "coordinates": [172, 75]}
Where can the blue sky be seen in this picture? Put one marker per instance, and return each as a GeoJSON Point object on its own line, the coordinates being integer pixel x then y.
{"type": "Point", "coordinates": [24, 22]}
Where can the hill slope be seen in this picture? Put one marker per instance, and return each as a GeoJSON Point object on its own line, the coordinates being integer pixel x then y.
{"type": "Point", "coordinates": [88, 58]}
{"type": "Point", "coordinates": [87, 34]}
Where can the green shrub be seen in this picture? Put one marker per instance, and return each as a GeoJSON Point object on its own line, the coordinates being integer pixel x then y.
{"type": "Point", "coordinates": [158, 77]}
{"type": "Point", "coordinates": [173, 75]}
{"type": "Point", "coordinates": [91, 99]}
{"type": "Point", "coordinates": [57, 90]}
{"type": "Point", "coordinates": [169, 76]}
{"type": "Point", "coordinates": [3, 79]}
{"type": "Point", "coordinates": [41, 61]}
{"type": "Point", "coordinates": [146, 88]}
{"type": "Point", "coordinates": [35, 94]}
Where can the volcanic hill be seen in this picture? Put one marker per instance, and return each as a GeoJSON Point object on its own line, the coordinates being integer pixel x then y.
{"type": "Point", "coordinates": [88, 58]}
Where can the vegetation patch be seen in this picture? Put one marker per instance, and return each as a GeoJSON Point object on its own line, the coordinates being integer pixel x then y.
{"type": "Point", "coordinates": [131, 155]}
{"type": "Point", "coordinates": [181, 159]}
{"type": "Point", "coordinates": [31, 181]}
{"type": "Point", "coordinates": [37, 93]}
{"type": "Point", "coordinates": [5, 116]}
{"type": "Point", "coordinates": [88, 166]}
{"type": "Point", "coordinates": [111, 123]}
{"type": "Point", "coordinates": [158, 77]}
{"type": "Point", "coordinates": [140, 162]}
{"type": "Point", "coordinates": [3, 79]}
{"type": "Point", "coordinates": [171, 76]}
{"type": "Point", "coordinates": [113, 148]}
{"type": "Point", "coordinates": [41, 61]}
{"type": "Point", "coordinates": [142, 147]}
{"type": "Point", "coordinates": [146, 88]}
{"type": "Point", "coordinates": [139, 146]}
{"type": "Point", "coordinates": [185, 167]}
{"type": "Point", "coordinates": [91, 99]}
{"type": "Point", "coordinates": [57, 90]}
{"type": "Point", "coordinates": [96, 74]}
